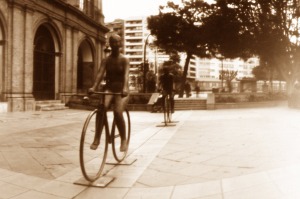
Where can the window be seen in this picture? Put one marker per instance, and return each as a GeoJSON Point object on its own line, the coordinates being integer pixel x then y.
{"type": "Point", "coordinates": [81, 4]}
{"type": "Point", "coordinates": [87, 6]}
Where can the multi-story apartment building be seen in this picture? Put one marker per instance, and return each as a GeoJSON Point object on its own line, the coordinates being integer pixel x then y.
{"type": "Point", "coordinates": [135, 35]}
{"type": "Point", "coordinates": [49, 50]}
{"type": "Point", "coordinates": [208, 71]}
{"type": "Point", "coordinates": [210, 68]}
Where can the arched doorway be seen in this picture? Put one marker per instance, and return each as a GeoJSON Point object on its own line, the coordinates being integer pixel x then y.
{"type": "Point", "coordinates": [44, 65]}
{"type": "Point", "coordinates": [85, 67]}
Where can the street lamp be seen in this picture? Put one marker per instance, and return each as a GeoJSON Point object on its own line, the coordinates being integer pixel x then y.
{"type": "Point", "coordinates": [221, 74]}
{"type": "Point", "coordinates": [154, 48]}
{"type": "Point", "coordinates": [145, 64]}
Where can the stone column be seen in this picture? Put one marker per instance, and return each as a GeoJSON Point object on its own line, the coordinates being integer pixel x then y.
{"type": "Point", "coordinates": [68, 59]}
{"type": "Point", "coordinates": [2, 65]}
{"type": "Point", "coordinates": [20, 87]}
{"type": "Point", "coordinates": [68, 70]}
{"type": "Point", "coordinates": [28, 60]}
{"type": "Point", "coordinates": [75, 46]}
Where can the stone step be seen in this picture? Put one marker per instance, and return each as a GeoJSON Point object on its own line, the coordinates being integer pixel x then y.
{"type": "Point", "coordinates": [190, 107]}
{"type": "Point", "coordinates": [50, 105]}
{"type": "Point", "coordinates": [47, 101]}
{"type": "Point", "coordinates": [190, 104]}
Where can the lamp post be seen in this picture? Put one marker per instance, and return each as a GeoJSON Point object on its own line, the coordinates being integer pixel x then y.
{"type": "Point", "coordinates": [145, 64]}
{"type": "Point", "coordinates": [154, 49]}
{"type": "Point", "coordinates": [156, 69]}
{"type": "Point", "coordinates": [222, 75]}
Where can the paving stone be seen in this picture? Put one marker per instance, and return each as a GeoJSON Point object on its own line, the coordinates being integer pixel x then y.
{"type": "Point", "coordinates": [36, 194]}
{"type": "Point", "coordinates": [207, 155]}
{"type": "Point", "coordinates": [8, 190]}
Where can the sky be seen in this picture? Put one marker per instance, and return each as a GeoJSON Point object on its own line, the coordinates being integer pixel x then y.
{"type": "Point", "coordinates": [114, 9]}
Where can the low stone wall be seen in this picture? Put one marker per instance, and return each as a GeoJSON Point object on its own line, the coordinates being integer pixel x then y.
{"type": "Point", "coordinates": [137, 102]}
{"type": "Point", "coordinates": [144, 102]}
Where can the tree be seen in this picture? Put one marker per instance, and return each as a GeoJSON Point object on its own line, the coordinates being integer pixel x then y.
{"type": "Point", "coordinates": [139, 81]}
{"type": "Point", "coordinates": [267, 28]}
{"type": "Point", "coordinates": [151, 81]}
{"type": "Point", "coordinates": [263, 72]}
{"type": "Point", "coordinates": [260, 73]}
{"type": "Point", "coordinates": [179, 28]}
{"type": "Point", "coordinates": [228, 76]}
{"type": "Point", "coordinates": [224, 33]}
{"type": "Point", "coordinates": [176, 70]}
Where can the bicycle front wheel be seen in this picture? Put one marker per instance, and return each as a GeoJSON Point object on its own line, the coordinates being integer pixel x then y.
{"type": "Point", "coordinates": [92, 161]}
{"type": "Point", "coordinates": [116, 139]}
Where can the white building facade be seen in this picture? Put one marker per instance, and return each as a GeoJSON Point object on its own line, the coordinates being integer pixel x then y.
{"type": "Point", "coordinates": [206, 72]}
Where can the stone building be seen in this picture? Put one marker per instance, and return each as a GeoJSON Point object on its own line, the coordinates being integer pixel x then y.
{"type": "Point", "coordinates": [49, 49]}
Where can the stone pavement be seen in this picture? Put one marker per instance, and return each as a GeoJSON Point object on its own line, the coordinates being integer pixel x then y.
{"type": "Point", "coordinates": [216, 154]}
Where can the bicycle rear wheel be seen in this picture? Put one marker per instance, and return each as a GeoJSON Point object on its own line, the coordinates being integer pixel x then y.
{"type": "Point", "coordinates": [92, 161]}
{"type": "Point", "coordinates": [116, 139]}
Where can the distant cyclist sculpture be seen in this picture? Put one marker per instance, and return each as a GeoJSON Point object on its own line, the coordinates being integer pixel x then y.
{"type": "Point", "coordinates": [95, 133]}
{"type": "Point", "coordinates": [166, 85]}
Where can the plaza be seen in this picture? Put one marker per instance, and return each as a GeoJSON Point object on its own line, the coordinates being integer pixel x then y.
{"type": "Point", "coordinates": [209, 154]}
